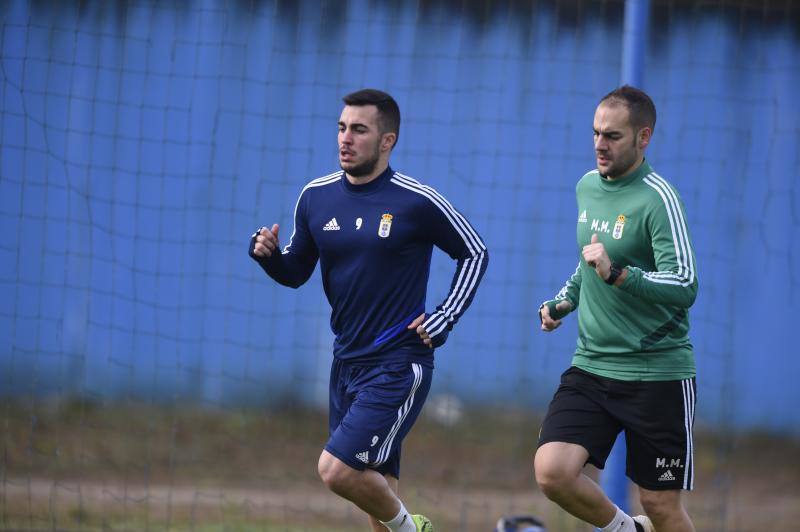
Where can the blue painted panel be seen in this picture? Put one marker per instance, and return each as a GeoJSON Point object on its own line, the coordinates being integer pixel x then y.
{"type": "Point", "coordinates": [140, 149]}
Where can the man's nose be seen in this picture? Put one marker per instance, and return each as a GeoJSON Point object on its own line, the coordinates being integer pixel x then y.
{"type": "Point", "coordinates": [600, 143]}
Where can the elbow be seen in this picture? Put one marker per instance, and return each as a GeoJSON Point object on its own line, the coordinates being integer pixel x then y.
{"type": "Point", "coordinates": [690, 295]}
{"type": "Point", "coordinates": [289, 281]}
{"type": "Point", "coordinates": [483, 261]}
{"type": "Point", "coordinates": [297, 280]}
{"type": "Point", "coordinates": [478, 257]}
{"type": "Point", "coordinates": [690, 300]}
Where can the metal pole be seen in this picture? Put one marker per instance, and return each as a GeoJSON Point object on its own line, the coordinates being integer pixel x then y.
{"type": "Point", "coordinates": [613, 479]}
{"type": "Point", "coordinates": [634, 41]}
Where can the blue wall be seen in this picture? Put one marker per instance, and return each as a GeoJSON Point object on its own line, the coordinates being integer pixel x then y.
{"type": "Point", "coordinates": [141, 145]}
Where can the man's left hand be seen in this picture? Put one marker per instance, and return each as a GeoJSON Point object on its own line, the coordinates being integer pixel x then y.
{"type": "Point", "coordinates": [423, 334]}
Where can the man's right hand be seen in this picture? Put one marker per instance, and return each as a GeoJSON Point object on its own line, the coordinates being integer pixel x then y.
{"type": "Point", "coordinates": [548, 323]}
{"type": "Point", "coordinates": [264, 242]}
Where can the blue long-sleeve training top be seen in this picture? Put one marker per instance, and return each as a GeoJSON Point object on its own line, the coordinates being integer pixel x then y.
{"type": "Point", "coordinates": [374, 245]}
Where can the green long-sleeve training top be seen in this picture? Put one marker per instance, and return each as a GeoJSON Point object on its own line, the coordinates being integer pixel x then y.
{"type": "Point", "coordinates": [638, 330]}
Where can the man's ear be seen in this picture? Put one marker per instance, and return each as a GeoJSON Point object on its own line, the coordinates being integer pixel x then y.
{"type": "Point", "coordinates": [644, 137]}
{"type": "Point", "coordinates": [388, 140]}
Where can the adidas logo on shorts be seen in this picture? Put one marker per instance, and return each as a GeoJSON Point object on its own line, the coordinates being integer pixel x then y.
{"type": "Point", "coordinates": [363, 456]}
{"type": "Point", "coordinates": [666, 476]}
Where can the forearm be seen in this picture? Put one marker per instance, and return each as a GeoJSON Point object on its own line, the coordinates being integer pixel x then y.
{"type": "Point", "coordinates": [284, 270]}
{"type": "Point", "coordinates": [467, 278]}
{"type": "Point", "coordinates": [569, 293]}
{"type": "Point", "coordinates": [663, 288]}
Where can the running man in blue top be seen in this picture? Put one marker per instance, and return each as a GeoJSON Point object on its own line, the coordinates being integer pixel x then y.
{"type": "Point", "coordinates": [373, 230]}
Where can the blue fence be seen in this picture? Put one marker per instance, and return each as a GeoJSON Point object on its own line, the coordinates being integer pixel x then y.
{"type": "Point", "coordinates": [140, 145]}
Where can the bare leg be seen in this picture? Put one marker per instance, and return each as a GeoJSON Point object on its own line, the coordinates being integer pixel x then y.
{"type": "Point", "coordinates": [559, 473]}
{"type": "Point", "coordinates": [665, 509]}
{"type": "Point", "coordinates": [374, 523]}
{"type": "Point", "coordinates": [367, 489]}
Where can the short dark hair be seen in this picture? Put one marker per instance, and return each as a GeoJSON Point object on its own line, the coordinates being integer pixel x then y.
{"type": "Point", "coordinates": [641, 108]}
{"type": "Point", "coordinates": [388, 110]}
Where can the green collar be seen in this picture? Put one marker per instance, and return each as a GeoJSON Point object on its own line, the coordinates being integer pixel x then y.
{"type": "Point", "coordinates": [621, 182]}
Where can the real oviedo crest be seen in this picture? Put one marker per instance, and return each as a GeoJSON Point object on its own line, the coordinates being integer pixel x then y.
{"type": "Point", "coordinates": [385, 226]}
{"type": "Point", "coordinates": [619, 227]}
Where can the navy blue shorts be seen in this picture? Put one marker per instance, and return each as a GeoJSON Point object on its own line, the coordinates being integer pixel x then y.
{"type": "Point", "coordinates": [372, 408]}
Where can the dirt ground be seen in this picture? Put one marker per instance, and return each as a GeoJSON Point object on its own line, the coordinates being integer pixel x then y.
{"type": "Point", "coordinates": [82, 466]}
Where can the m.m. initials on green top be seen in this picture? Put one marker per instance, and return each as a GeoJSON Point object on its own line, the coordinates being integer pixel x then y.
{"type": "Point", "coordinates": [641, 331]}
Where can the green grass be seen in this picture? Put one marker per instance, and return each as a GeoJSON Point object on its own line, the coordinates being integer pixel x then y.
{"type": "Point", "coordinates": [81, 465]}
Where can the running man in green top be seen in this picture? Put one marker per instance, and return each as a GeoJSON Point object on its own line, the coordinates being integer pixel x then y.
{"type": "Point", "coordinates": [633, 368]}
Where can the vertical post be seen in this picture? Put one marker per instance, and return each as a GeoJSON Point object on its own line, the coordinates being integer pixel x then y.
{"type": "Point", "coordinates": [613, 479]}
{"type": "Point", "coordinates": [634, 41]}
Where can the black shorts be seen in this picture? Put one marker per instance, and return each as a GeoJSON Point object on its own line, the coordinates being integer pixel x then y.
{"type": "Point", "coordinates": [657, 418]}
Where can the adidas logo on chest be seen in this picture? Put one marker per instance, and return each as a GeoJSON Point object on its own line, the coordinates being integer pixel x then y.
{"type": "Point", "coordinates": [332, 225]}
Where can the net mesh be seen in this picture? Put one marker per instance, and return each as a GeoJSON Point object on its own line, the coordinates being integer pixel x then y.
{"type": "Point", "coordinates": [152, 378]}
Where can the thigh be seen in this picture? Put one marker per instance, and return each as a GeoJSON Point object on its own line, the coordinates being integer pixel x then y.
{"type": "Point", "coordinates": [577, 415]}
{"type": "Point", "coordinates": [658, 432]}
{"type": "Point", "coordinates": [385, 403]}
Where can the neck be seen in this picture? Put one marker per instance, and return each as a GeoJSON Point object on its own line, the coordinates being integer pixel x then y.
{"type": "Point", "coordinates": [629, 171]}
{"type": "Point", "coordinates": [364, 179]}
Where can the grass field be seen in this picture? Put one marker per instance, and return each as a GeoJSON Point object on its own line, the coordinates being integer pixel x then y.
{"type": "Point", "coordinates": [78, 465]}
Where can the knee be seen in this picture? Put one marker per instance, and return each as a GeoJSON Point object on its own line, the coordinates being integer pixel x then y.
{"type": "Point", "coordinates": [332, 472]}
{"type": "Point", "coordinates": [659, 505]}
{"type": "Point", "coordinates": [552, 477]}
{"type": "Point", "coordinates": [327, 471]}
